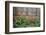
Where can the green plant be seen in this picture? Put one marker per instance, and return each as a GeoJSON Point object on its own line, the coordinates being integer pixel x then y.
{"type": "Point", "coordinates": [22, 21]}
{"type": "Point", "coordinates": [37, 22]}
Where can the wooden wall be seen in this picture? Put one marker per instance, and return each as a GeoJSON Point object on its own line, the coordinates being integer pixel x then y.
{"type": "Point", "coordinates": [26, 11]}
